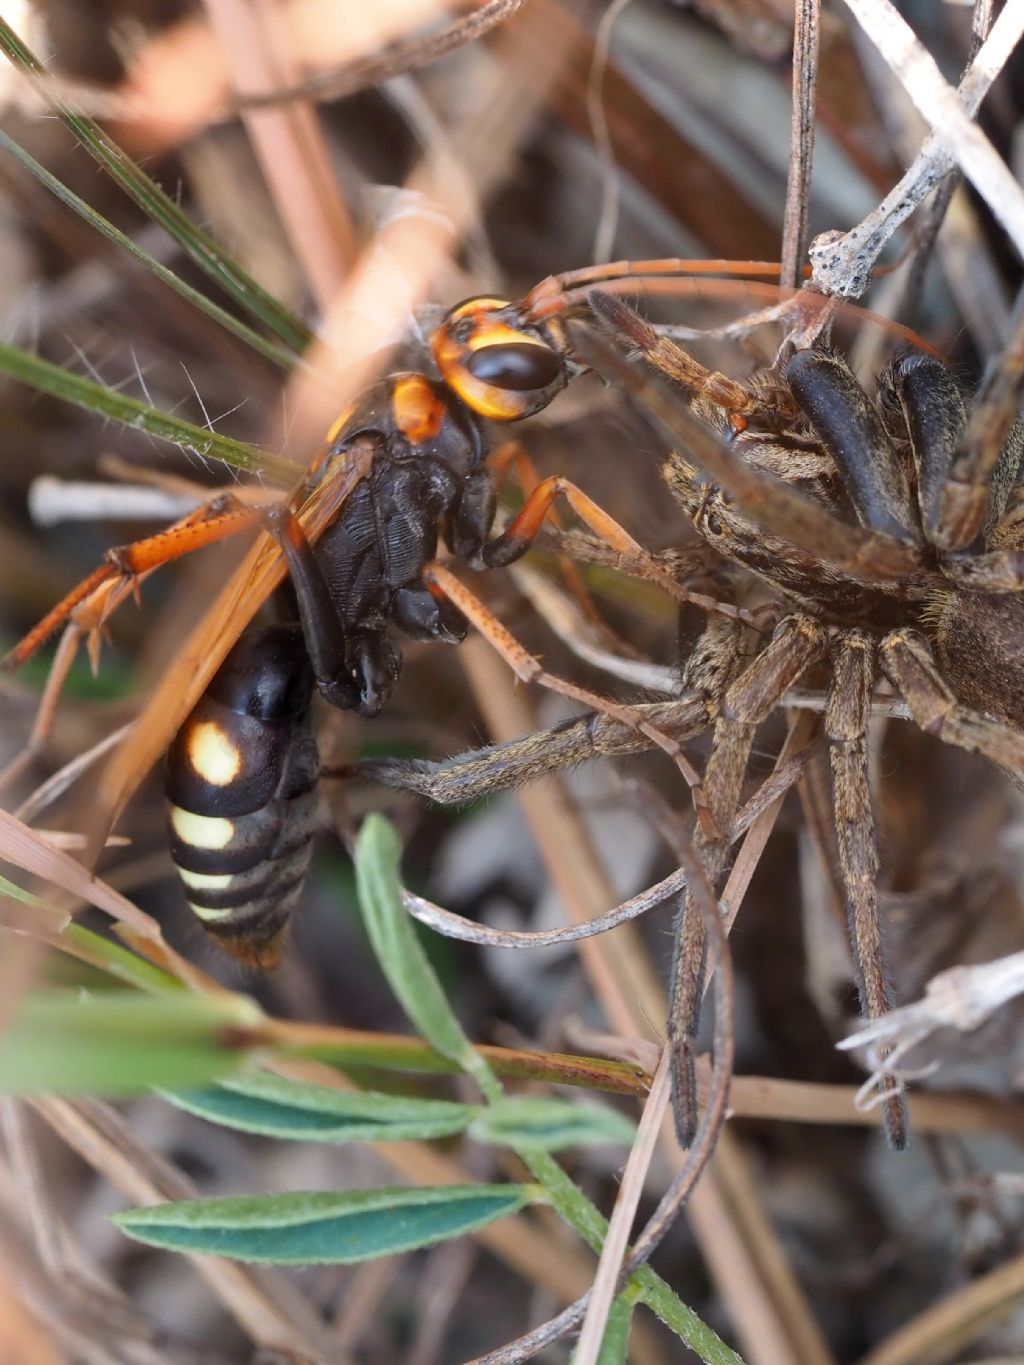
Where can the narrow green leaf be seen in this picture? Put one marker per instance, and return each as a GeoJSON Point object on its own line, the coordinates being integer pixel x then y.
{"type": "Point", "coordinates": [332, 1228]}
{"type": "Point", "coordinates": [117, 1042]}
{"type": "Point", "coordinates": [118, 961]}
{"type": "Point", "coordinates": [120, 239]}
{"type": "Point", "coordinates": [84, 393]}
{"type": "Point", "coordinates": [551, 1124]}
{"type": "Point", "coordinates": [277, 1107]}
{"type": "Point", "coordinates": [18, 893]}
{"type": "Point", "coordinates": [198, 245]}
{"type": "Point", "coordinates": [400, 953]}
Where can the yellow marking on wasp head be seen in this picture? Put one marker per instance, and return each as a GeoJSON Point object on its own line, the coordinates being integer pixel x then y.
{"type": "Point", "coordinates": [214, 756]}
{"type": "Point", "coordinates": [201, 831]}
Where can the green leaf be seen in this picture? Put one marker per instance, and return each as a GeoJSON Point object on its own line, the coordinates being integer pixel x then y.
{"type": "Point", "coordinates": [120, 239]}
{"type": "Point", "coordinates": [201, 248]}
{"type": "Point", "coordinates": [280, 1108]}
{"type": "Point", "coordinates": [332, 1228]}
{"type": "Point", "coordinates": [550, 1124]}
{"type": "Point", "coordinates": [97, 398]}
{"type": "Point", "coordinates": [117, 1042]}
{"type": "Point", "coordinates": [400, 953]}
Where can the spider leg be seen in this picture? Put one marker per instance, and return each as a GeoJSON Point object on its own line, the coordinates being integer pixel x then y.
{"type": "Point", "coordinates": [997, 571]}
{"type": "Point", "coordinates": [846, 723]}
{"type": "Point", "coordinates": [480, 773]}
{"type": "Point", "coordinates": [798, 641]}
{"type": "Point", "coordinates": [217, 520]}
{"type": "Point", "coordinates": [910, 665]}
{"type": "Point", "coordinates": [983, 465]}
{"type": "Point", "coordinates": [776, 507]}
{"type": "Point", "coordinates": [528, 669]}
{"type": "Point", "coordinates": [851, 430]}
{"type": "Point", "coordinates": [677, 365]}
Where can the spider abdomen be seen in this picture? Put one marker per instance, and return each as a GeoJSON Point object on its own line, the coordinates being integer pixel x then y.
{"type": "Point", "coordinates": [241, 782]}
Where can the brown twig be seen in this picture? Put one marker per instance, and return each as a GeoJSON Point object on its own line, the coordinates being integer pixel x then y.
{"type": "Point", "coordinates": [801, 155]}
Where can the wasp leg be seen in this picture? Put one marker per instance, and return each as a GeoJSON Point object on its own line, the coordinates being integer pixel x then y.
{"type": "Point", "coordinates": [846, 723]}
{"type": "Point", "coordinates": [216, 521]}
{"type": "Point", "coordinates": [504, 767]}
{"type": "Point", "coordinates": [425, 614]}
{"type": "Point", "coordinates": [349, 673]}
{"type": "Point", "coordinates": [797, 643]}
{"type": "Point", "coordinates": [522, 531]}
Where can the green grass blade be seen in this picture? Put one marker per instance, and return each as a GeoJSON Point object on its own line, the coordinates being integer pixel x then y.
{"type": "Point", "coordinates": [278, 354]}
{"type": "Point", "coordinates": [198, 245]}
{"type": "Point", "coordinates": [119, 1042]}
{"type": "Point", "coordinates": [96, 220]}
{"type": "Point", "coordinates": [96, 398]}
{"type": "Point", "coordinates": [274, 1106]}
{"type": "Point", "coordinates": [117, 961]}
{"type": "Point", "coordinates": [325, 1228]}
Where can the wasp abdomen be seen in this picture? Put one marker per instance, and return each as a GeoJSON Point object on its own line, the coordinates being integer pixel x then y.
{"type": "Point", "coordinates": [241, 781]}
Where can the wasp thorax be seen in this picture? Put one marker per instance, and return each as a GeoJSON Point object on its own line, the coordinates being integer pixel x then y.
{"type": "Point", "coordinates": [500, 365]}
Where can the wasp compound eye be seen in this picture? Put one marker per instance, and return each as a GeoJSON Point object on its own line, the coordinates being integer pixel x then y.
{"type": "Point", "coordinates": [519, 366]}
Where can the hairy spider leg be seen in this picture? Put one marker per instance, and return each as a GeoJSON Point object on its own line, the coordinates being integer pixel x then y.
{"type": "Point", "coordinates": [484, 772]}
{"type": "Point", "coordinates": [798, 642]}
{"type": "Point", "coordinates": [846, 724]}
{"type": "Point", "coordinates": [983, 454]}
{"type": "Point", "coordinates": [528, 669]}
{"type": "Point", "coordinates": [777, 508]}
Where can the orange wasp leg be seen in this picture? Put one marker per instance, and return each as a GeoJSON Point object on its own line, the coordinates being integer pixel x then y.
{"type": "Point", "coordinates": [513, 455]}
{"type": "Point", "coordinates": [523, 529]}
{"type": "Point", "coordinates": [128, 563]}
{"type": "Point", "coordinates": [528, 669]}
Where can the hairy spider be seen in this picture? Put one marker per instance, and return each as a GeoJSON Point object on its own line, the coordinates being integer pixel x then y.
{"type": "Point", "coordinates": [903, 554]}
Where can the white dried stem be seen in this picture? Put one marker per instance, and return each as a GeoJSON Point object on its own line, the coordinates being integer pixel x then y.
{"type": "Point", "coordinates": [842, 263]}
{"type": "Point", "coordinates": [961, 998]}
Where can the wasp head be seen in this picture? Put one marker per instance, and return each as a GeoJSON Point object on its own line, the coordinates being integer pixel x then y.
{"type": "Point", "coordinates": [500, 365]}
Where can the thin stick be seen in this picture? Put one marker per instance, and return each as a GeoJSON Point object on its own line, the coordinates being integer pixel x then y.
{"type": "Point", "coordinates": [928, 232]}
{"type": "Point", "coordinates": [801, 154]}
{"type": "Point", "coordinates": [842, 264]}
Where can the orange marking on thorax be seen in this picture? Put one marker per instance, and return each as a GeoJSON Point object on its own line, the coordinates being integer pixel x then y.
{"type": "Point", "coordinates": [417, 409]}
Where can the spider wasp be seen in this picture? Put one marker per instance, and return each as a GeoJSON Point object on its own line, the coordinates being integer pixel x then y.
{"type": "Point", "coordinates": [405, 464]}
